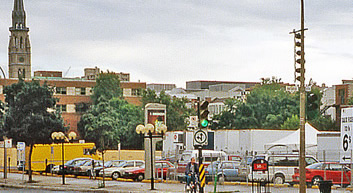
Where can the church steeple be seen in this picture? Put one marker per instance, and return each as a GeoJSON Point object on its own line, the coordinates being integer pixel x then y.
{"type": "Point", "coordinates": [18, 16]}
{"type": "Point", "coordinates": [19, 44]}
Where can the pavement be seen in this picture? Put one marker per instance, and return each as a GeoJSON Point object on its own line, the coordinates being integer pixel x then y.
{"type": "Point", "coordinates": [84, 184]}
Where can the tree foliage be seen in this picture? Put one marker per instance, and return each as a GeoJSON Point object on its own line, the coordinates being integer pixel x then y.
{"type": "Point", "coordinates": [27, 118]}
{"type": "Point", "coordinates": [267, 106]}
{"type": "Point", "coordinates": [107, 86]}
{"type": "Point", "coordinates": [110, 120]}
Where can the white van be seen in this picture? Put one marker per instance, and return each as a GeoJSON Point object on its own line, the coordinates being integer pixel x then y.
{"type": "Point", "coordinates": [281, 167]}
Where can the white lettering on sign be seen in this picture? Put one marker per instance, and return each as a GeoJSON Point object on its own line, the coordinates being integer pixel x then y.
{"type": "Point", "coordinates": [157, 113]}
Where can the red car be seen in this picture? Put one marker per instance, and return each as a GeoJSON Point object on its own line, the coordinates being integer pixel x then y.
{"type": "Point", "coordinates": [332, 171]}
{"type": "Point", "coordinates": [139, 174]}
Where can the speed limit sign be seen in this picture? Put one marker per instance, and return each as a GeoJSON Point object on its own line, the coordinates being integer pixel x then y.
{"type": "Point", "coordinates": [346, 135]}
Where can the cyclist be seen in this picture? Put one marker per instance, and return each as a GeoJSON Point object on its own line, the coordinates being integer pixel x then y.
{"type": "Point", "coordinates": [192, 168]}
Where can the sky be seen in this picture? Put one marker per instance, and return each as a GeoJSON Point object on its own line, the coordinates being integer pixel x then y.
{"type": "Point", "coordinates": [174, 41]}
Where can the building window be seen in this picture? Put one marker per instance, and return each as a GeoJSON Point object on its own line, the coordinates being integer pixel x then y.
{"type": "Point", "coordinates": [136, 92]}
{"type": "Point", "coordinates": [82, 107]}
{"type": "Point", "coordinates": [80, 91]}
{"type": "Point", "coordinates": [342, 97]}
{"type": "Point", "coordinates": [60, 90]}
{"type": "Point", "coordinates": [61, 108]}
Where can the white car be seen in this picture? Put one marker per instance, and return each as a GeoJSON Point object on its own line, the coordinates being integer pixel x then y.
{"type": "Point", "coordinates": [116, 172]}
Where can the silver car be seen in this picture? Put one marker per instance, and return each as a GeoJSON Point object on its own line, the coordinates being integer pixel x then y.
{"type": "Point", "coordinates": [116, 172]}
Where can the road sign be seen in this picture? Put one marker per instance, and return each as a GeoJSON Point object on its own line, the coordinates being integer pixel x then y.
{"type": "Point", "coordinates": [8, 143]}
{"type": "Point", "coordinates": [346, 135]}
{"type": "Point", "coordinates": [194, 121]}
{"type": "Point", "coordinates": [21, 146]}
{"type": "Point", "coordinates": [200, 137]}
{"type": "Point", "coordinates": [202, 175]}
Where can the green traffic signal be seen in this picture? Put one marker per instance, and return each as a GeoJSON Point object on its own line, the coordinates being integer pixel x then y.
{"type": "Point", "coordinates": [204, 123]}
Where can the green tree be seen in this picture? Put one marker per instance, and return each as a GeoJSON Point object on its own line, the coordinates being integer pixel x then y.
{"type": "Point", "coordinates": [27, 118]}
{"type": "Point", "coordinates": [291, 123]}
{"type": "Point", "coordinates": [226, 119]}
{"type": "Point", "coordinates": [323, 123]}
{"type": "Point", "coordinates": [267, 106]}
{"type": "Point", "coordinates": [110, 120]}
{"type": "Point", "coordinates": [107, 86]}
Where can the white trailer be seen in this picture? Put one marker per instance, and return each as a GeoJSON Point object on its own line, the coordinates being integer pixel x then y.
{"type": "Point", "coordinates": [241, 142]}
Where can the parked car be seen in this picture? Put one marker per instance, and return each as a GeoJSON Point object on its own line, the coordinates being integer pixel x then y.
{"type": "Point", "coordinates": [332, 170]}
{"type": "Point", "coordinates": [225, 171]}
{"type": "Point", "coordinates": [116, 172]}
{"type": "Point", "coordinates": [68, 166]}
{"type": "Point", "coordinates": [211, 170]}
{"type": "Point", "coordinates": [108, 164]}
{"type": "Point", "coordinates": [281, 167]}
{"type": "Point", "coordinates": [139, 173]}
{"type": "Point", "coordinates": [84, 168]}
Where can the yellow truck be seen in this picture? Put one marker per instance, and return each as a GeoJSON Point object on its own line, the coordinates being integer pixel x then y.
{"type": "Point", "coordinates": [45, 156]}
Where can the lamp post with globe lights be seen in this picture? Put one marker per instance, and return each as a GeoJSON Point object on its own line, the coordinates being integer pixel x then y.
{"type": "Point", "coordinates": [60, 137]}
{"type": "Point", "coordinates": [150, 132]}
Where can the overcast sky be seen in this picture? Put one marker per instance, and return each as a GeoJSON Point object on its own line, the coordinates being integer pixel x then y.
{"type": "Point", "coordinates": [174, 41]}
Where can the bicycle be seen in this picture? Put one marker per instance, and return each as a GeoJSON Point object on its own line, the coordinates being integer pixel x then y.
{"type": "Point", "coordinates": [194, 186]}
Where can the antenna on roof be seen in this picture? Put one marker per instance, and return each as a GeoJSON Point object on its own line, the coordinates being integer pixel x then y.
{"type": "Point", "coordinates": [67, 71]}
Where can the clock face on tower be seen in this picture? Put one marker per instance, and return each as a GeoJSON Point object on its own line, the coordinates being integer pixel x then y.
{"type": "Point", "coordinates": [21, 59]}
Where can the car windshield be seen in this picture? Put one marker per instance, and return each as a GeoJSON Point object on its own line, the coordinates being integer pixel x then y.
{"type": "Point", "coordinates": [107, 164]}
{"type": "Point", "coordinates": [114, 163]}
{"type": "Point", "coordinates": [121, 164]}
{"type": "Point", "coordinates": [317, 166]}
{"type": "Point", "coordinates": [69, 162]}
{"type": "Point", "coordinates": [80, 163]}
{"type": "Point", "coordinates": [88, 163]}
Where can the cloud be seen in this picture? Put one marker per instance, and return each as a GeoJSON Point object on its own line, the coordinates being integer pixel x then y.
{"type": "Point", "coordinates": [175, 41]}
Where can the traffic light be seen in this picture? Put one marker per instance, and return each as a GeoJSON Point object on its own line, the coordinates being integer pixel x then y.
{"type": "Point", "coordinates": [298, 55]}
{"type": "Point", "coordinates": [204, 114]}
{"type": "Point", "coordinates": [312, 101]}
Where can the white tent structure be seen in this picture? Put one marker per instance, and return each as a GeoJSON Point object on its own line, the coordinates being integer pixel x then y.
{"type": "Point", "coordinates": [292, 141]}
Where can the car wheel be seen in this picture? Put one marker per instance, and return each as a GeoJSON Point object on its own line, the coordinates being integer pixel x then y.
{"type": "Point", "coordinates": [316, 180]}
{"type": "Point", "coordinates": [115, 175]}
{"type": "Point", "coordinates": [221, 179]}
{"type": "Point", "coordinates": [279, 179]}
{"type": "Point", "coordinates": [140, 177]}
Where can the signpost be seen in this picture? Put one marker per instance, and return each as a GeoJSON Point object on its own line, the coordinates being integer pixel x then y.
{"type": "Point", "coordinates": [346, 138]}
{"type": "Point", "coordinates": [21, 156]}
{"type": "Point", "coordinates": [200, 137]}
{"type": "Point", "coordinates": [155, 114]}
{"type": "Point", "coordinates": [346, 135]}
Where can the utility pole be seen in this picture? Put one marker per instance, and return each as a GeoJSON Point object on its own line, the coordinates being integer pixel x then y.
{"type": "Point", "coordinates": [302, 164]}
{"type": "Point", "coordinates": [299, 75]}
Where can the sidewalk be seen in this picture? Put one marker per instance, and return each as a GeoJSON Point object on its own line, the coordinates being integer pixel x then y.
{"type": "Point", "coordinates": [54, 183]}
{"type": "Point", "coordinates": [83, 184]}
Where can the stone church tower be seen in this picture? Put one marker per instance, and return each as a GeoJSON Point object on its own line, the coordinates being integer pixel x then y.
{"type": "Point", "coordinates": [19, 45]}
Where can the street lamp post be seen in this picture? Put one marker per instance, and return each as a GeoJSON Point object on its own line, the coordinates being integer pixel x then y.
{"type": "Point", "coordinates": [60, 137]}
{"type": "Point", "coordinates": [149, 129]}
